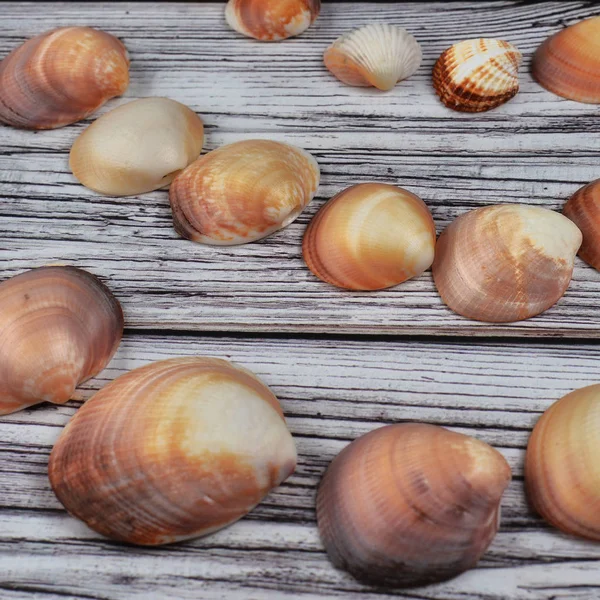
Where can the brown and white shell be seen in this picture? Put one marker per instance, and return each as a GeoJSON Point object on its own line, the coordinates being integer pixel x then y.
{"type": "Point", "coordinates": [477, 75]}
{"type": "Point", "coordinates": [61, 77]}
{"type": "Point", "coordinates": [58, 327]}
{"type": "Point", "coordinates": [506, 262]}
{"type": "Point", "coordinates": [411, 504]}
{"type": "Point", "coordinates": [242, 192]}
{"type": "Point", "coordinates": [173, 450]}
{"type": "Point", "coordinates": [369, 237]}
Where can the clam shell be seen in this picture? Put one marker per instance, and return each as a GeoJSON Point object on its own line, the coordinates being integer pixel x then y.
{"type": "Point", "coordinates": [378, 55]}
{"type": "Point", "coordinates": [505, 263]}
{"type": "Point", "coordinates": [138, 147]}
{"type": "Point", "coordinates": [411, 504]}
{"type": "Point", "coordinates": [583, 208]}
{"type": "Point", "coordinates": [58, 327]}
{"type": "Point", "coordinates": [271, 20]}
{"type": "Point", "coordinates": [369, 237]}
{"type": "Point", "coordinates": [568, 63]}
{"type": "Point", "coordinates": [242, 192]}
{"type": "Point", "coordinates": [477, 75]}
{"type": "Point", "coordinates": [562, 465]}
{"type": "Point", "coordinates": [61, 77]}
{"type": "Point", "coordinates": [173, 450]}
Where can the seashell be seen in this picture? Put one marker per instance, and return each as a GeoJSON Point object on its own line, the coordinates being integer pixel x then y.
{"type": "Point", "coordinates": [138, 147]}
{"type": "Point", "coordinates": [59, 326]}
{"type": "Point", "coordinates": [242, 192]}
{"type": "Point", "coordinates": [562, 470]}
{"type": "Point", "coordinates": [173, 450]}
{"type": "Point", "coordinates": [568, 63]}
{"type": "Point", "coordinates": [378, 55]}
{"type": "Point", "coordinates": [61, 77]}
{"type": "Point", "coordinates": [369, 237]}
{"type": "Point", "coordinates": [505, 263]}
{"type": "Point", "coordinates": [477, 75]}
{"type": "Point", "coordinates": [271, 20]}
{"type": "Point", "coordinates": [583, 208]}
{"type": "Point", "coordinates": [411, 504]}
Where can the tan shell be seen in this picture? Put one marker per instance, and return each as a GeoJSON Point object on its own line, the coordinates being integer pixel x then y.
{"type": "Point", "coordinates": [242, 192]}
{"type": "Point", "coordinates": [411, 504]}
{"type": "Point", "coordinates": [58, 327]}
{"type": "Point", "coordinates": [61, 77]}
{"type": "Point", "coordinates": [505, 263]}
{"type": "Point", "coordinates": [562, 466]}
{"type": "Point", "coordinates": [138, 147]}
{"type": "Point", "coordinates": [568, 63]}
{"type": "Point", "coordinates": [477, 75]}
{"type": "Point", "coordinates": [378, 55]}
{"type": "Point", "coordinates": [173, 450]}
{"type": "Point", "coordinates": [369, 237]}
{"type": "Point", "coordinates": [583, 208]}
{"type": "Point", "coordinates": [271, 20]}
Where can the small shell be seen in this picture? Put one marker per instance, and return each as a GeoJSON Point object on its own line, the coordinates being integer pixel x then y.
{"type": "Point", "coordinates": [61, 77]}
{"type": "Point", "coordinates": [242, 192]}
{"type": "Point", "coordinates": [505, 263]}
{"type": "Point", "coordinates": [377, 55]}
{"type": "Point", "coordinates": [138, 147]}
{"type": "Point", "coordinates": [562, 466]}
{"type": "Point", "coordinates": [583, 208]}
{"type": "Point", "coordinates": [411, 504]}
{"type": "Point", "coordinates": [369, 237]}
{"type": "Point", "coordinates": [477, 75]}
{"type": "Point", "coordinates": [173, 450]}
{"type": "Point", "coordinates": [58, 327]}
{"type": "Point", "coordinates": [271, 20]}
{"type": "Point", "coordinates": [568, 63]}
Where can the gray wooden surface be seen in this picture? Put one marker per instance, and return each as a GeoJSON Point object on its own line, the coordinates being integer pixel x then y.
{"type": "Point", "coordinates": [259, 306]}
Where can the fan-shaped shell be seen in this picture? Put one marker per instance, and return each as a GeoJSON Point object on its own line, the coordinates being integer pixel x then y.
{"type": "Point", "coordinates": [370, 236]}
{"type": "Point", "coordinates": [411, 504]}
{"type": "Point", "coordinates": [477, 75]}
{"type": "Point", "coordinates": [378, 55]}
{"type": "Point", "coordinates": [505, 263]}
{"type": "Point", "coordinates": [60, 77]}
{"type": "Point", "coordinates": [568, 63]}
{"type": "Point", "coordinates": [58, 327]}
{"type": "Point", "coordinates": [173, 450]}
{"type": "Point", "coordinates": [271, 20]}
{"type": "Point", "coordinates": [138, 147]}
{"type": "Point", "coordinates": [242, 192]}
{"type": "Point", "coordinates": [562, 466]}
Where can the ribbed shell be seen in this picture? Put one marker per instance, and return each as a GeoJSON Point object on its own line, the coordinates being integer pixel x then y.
{"type": "Point", "coordinates": [173, 450]}
{"type": "Point", "coordinates": [568, 63]}
{"type": "Point", "coordinates": [378, 55]}
{"type": "Point", "coordinates": [505, 263]}
{"type": "Point", "coordinates": [138, 147]}
{"type": "Point", "coordinates": [477, 75]}
{"type": "Point", "coordinates": [58, 327]}
{"type": "Point", "coordinates": [61, 77]}
{"type": "Point", "coordinates": [242, 192]}
{"type": "Point", "coordinates": [370, 236]}
{"type": "Point", "coordinates": [271, 20]}
{"type": "Point", "coordinates": [411, 504]}
{"type": "Point", "coordinates": [562, 466]}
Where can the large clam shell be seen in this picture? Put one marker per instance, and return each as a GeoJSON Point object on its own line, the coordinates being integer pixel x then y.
{"type": "Point", "coordinates": [411, 504]}
{"type": "Point", "coordinates": [242, 192]}
{"type": "Point", "coordinates": [369, 237]}
{"type": "Point", "coordinates": [506, 262]}
{"type": "Point", "coordinates": [173, 450]}
{"type": "Point", "coordinates": [60, 77]}
{"type": "Point", "coordinates": [378, 55]}
{"type": "Point", "coordinates": [58, 327]}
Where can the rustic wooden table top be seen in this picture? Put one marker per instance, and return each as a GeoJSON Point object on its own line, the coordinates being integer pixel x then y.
{"type": "Point", "coordinates": [342, 363]}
